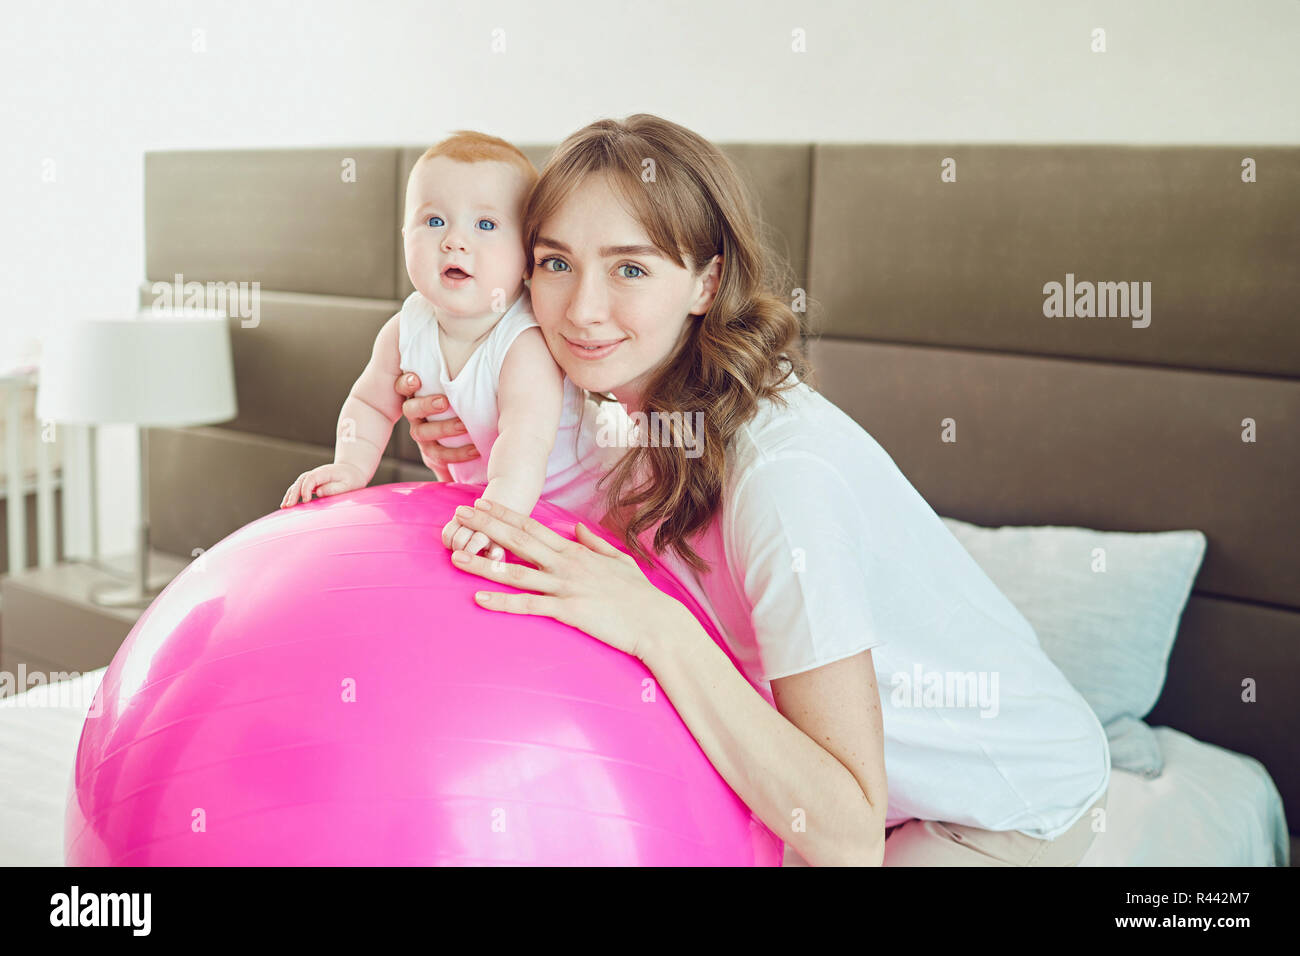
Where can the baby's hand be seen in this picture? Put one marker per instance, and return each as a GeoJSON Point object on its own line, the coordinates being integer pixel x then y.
{"type": "Point", "coordinates": [459, 538]}
{"type": "Point", "coordinates": [324, 481]}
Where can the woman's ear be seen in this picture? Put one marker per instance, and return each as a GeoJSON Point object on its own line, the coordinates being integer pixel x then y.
{"type": "Point", "coordinates": [708, 286]}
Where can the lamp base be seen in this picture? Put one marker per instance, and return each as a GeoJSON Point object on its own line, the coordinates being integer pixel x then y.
{"type": "Point", "coordinates": [127, 595]}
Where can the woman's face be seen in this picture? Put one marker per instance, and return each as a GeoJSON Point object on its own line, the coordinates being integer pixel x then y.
{"type": "Point", "coordinates": [598, 280]}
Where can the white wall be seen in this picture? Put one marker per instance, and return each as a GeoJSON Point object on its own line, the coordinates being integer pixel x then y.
{"type": "Point", "coordinates": [89, 87]}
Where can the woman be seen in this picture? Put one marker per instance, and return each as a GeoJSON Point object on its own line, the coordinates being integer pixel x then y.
{"type": "Point", "coordinates": [822, 567]}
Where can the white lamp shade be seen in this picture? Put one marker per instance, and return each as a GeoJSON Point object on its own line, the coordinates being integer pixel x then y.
{"type": "Point", "coordinates": [172, 368]}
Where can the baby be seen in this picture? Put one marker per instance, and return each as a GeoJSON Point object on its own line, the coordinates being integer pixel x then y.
{"type": "Point", "coordinates": [468, 332]}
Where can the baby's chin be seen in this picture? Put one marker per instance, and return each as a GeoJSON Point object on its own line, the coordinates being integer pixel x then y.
{"type": "Point", "coordinates": [455, 304]}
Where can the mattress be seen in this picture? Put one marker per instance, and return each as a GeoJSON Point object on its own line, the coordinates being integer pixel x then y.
{"type": "Point", "coordinates": [1211, 806]}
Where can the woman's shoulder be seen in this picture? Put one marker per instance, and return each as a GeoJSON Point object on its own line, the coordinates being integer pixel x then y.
{"type": "Point", "coordinates": [798, 425]}
{"type": "Point", "coordinates": [804, 457]}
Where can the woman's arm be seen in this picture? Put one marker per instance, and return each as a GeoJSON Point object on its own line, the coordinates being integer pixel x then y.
{"type": "Point", "coordinates": [811, 770]}
{"type": "Point", "coordinates": [816, 777]}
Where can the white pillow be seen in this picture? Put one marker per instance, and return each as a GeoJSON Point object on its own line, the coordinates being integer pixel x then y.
{"type": "Point", "coordinates": [1105, 606]}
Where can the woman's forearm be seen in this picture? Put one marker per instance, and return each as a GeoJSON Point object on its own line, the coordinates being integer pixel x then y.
{"type": "Point", "coordinates": [780, 772]}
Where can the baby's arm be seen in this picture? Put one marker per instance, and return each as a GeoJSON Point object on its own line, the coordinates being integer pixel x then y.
{"type": "Point", "coordinates": [365, 424]}
{"type": "Point", "coordinates": [372, 407]}
{"type": "Point", "coordinates": [530, 396]}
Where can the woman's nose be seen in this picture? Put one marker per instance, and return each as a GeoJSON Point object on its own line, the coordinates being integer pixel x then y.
{"type": "Point", "coordinates": [589, 304]}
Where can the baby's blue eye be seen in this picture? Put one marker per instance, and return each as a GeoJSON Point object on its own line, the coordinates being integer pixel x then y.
{"type": "Point", "coordinates": [628, 265]}
{"type": "Point", "coordinates": [489, 227]}
{"type": "Point", "coordinates": [436, 221]}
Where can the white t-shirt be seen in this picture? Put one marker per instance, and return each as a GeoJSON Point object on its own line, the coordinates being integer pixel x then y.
{"type": "Point", "coordinates": [574, 465]}
{"type": "Point", "coordinates": [822, 549]}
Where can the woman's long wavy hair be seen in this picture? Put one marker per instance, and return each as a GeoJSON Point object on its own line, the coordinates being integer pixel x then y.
{"type": "Point", "coordinates": [693, 205]}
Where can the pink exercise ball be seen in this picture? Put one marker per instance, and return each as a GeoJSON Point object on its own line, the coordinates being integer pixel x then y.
{"type": "Point", "coordinates": [320, 688]}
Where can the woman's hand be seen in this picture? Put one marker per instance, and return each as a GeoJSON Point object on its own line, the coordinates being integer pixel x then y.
{"type": "Point", "coordinates": [325, 480]}
{"type": "Point", "coordinates": [588, 583]}
{"type": "Point", "coordinates": [426, 434]}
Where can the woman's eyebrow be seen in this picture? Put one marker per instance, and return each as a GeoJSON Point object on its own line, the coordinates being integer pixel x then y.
{"type": "Point", "coordinates": [605, 251]}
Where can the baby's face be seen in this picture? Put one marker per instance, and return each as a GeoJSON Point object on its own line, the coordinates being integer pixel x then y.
{"type": "Point", "coordinates": [465, 216]}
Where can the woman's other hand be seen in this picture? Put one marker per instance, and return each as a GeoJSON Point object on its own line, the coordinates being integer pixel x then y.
{"type": "Point", "coordinates": [435, 455]}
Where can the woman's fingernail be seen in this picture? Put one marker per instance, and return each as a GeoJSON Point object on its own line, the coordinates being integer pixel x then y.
{"type": "Point", "coordinates": [410, 380]}
{"type": "Point", "coordinates": [439, 404]}
{"type": "Point", "coordinates": [460, 557]}
{"type": "Point", "coordinates": [463, 512]}
{"type": "Point", "coordinates": [481, 503]}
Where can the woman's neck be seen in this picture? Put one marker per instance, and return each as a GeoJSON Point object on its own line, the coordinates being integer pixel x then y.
{"type": "Point", "coordinates": [629, 398]}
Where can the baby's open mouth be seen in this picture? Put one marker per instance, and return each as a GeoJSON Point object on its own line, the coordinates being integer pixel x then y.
{"type": "Point", "coordinates": [455, 272]}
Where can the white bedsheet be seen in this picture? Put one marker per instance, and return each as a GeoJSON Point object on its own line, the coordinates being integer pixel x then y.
{"type": "Point", "coordinates": [1211, 806]}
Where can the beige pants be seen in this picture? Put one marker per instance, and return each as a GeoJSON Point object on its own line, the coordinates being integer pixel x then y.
{"type": "Point", "coordinates": [933, 843]}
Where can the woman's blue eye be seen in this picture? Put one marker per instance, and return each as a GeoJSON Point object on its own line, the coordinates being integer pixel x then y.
{"type": "Point", "coordinates": [628, 265]}
{"type": "Point", "coordinates": [490, 225]}
{"type": "Point", "coordinates": [436, 221]}
{"type": "Point", "coordinates": [543, 262]}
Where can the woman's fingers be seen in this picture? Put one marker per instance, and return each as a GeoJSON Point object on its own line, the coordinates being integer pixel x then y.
{"type": "Point", "coordinates": [417, 408]}
{"type": "Point", "coordinates": [423, 432]}
{"type": "Point", "coordinates": [508, 527]}
{"type": "Point", "coordinates": [407, 384]}
{"type": "Point", "coordinates": [516, 576]}
{"type": "Point", "coordinates": [597, 543]}
{"type": "Point", "coordinates": [542, 605]}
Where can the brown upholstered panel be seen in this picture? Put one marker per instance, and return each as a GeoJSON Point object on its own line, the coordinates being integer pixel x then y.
{"type": "Point", "coordinates": [284, 218]}
{"type": "Point", "coordinates": [899, 256]}
{"type": "Point", "coordinates": [1112, 447]}
{"type": "Point", "coordinates": [295, 367]}
{"type": "Point", "coordinates": [1220, 644]}
{"type": "Point", "coordinates": [208, 482]}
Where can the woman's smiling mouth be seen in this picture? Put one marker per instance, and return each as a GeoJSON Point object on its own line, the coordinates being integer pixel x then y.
{"type": "Point", "coordinates": [593, 350]}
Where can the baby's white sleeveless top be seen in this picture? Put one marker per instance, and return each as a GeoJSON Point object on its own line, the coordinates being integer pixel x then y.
{"type": "Point", "coordinates": [575, 463]}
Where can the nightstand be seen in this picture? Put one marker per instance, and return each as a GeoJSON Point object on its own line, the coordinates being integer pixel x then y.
{"type": "Point", "coordinates": [49, 623]}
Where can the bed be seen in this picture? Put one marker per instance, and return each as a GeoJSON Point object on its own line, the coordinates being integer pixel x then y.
{"type": "Point", "coordinates": [926, 304]}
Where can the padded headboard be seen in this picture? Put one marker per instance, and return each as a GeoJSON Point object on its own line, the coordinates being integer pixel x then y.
{"type": "Point", "coordinates": [926, 267]}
